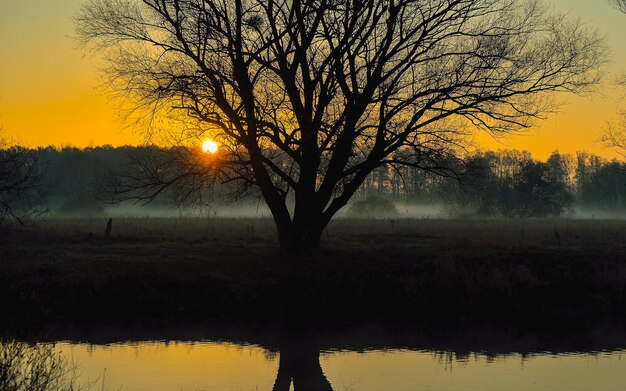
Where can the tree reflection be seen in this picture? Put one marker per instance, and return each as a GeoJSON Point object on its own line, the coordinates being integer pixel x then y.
{"type": "Point", "coordinates": [300, 363]}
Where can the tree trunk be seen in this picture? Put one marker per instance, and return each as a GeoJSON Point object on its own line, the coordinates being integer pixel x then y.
{"type": "Point", "coordinates": [299, 239]}
{"type": "Point", "coordinates": [300, 363]}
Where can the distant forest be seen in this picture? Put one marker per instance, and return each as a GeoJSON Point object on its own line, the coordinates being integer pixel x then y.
{"type": "Point", "coordinates": [507, 183]}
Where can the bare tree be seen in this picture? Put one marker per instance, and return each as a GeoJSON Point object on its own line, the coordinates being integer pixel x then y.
{"type": "Point", "coordinates": [18, 176]}
{"type": "Point", "coordinates": [619, 4]}
{"type": "Point", "coordinates": [308, 97]}
{"type": "Point", "coordinates": [615, 133]}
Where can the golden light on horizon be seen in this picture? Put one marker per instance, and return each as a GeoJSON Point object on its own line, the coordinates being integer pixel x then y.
{"type": "Point", "coordinates": [209, 146]}
{"type": "Point", "coordinates": [69, 105]}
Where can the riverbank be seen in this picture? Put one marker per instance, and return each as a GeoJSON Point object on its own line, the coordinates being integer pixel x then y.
{"type": "Point", "coordinates": [405, 271]}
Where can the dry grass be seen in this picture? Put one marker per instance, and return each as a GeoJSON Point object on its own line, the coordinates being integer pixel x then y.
{"type": "Point", "coordinates": [408, 270]}
{"type": "Point", "coordinates": [493, 232]}
{"type": "Point", "coordinates": [35, 367]}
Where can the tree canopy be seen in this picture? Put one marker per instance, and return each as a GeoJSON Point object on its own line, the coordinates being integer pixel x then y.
{"type": "Point", "coordinates": [307, 98]}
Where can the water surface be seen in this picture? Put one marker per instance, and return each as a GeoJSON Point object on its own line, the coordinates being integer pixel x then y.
{"type": "Point", "coordinates": [192, 366]}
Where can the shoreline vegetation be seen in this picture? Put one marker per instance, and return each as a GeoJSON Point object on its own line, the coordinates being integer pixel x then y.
{"type": "Point", "coordinates": [440, 273]}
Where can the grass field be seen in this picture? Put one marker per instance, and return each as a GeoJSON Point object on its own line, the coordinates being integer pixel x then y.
{"type": "Point", "coordinates": [449, 271]}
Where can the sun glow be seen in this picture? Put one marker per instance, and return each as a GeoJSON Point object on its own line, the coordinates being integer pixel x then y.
{"type": "Point", "coordinates": [209, 146]}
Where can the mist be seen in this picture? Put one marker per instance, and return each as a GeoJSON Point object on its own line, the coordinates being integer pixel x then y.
{"type": "Point", "coordinates": [73, 182]}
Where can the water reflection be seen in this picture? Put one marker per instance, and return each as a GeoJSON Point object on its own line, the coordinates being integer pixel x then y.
{"type": "Point", "coordinates": [323, 362]}
{"type": "Point", "coordinates": [157, 366]}
{"type": "Point", "coordinates": [300, 364]}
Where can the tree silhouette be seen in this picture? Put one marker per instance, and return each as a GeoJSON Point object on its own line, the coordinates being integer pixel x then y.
{"type": "Point", "coordinates": [512, 184]}
{"type": "Point", "coordinates": [620, 4]}
{"type": "Point", "coordinates": [307, 98]}
{"type": "Point", "coordinates": [615, 134]}
{"type": "Point", "coordinates": [18, 176]}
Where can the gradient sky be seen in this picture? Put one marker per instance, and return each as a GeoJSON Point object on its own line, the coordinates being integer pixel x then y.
{"type": "Point", "coordinates": [52, 93]}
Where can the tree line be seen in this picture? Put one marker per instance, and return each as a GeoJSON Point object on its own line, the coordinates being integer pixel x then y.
{"type": "Point", "coordinates": [510, 183]}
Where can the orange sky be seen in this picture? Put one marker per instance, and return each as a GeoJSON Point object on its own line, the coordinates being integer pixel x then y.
{"type": "Point", "coordinates": [51, 92]}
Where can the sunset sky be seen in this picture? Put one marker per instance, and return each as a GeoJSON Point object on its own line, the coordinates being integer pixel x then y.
{"type": "Point", "coordinates": [52, 92]}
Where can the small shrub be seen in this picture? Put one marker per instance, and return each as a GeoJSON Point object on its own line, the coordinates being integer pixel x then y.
{"type": "Point", "coordinates": [26, 367]}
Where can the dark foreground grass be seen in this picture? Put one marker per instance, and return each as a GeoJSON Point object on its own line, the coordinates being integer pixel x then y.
{"type": "Point", "coordinates": [425, 271]}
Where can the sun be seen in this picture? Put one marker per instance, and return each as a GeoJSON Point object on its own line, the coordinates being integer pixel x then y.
{"type": "Point", "coordinates": [209, 146]}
